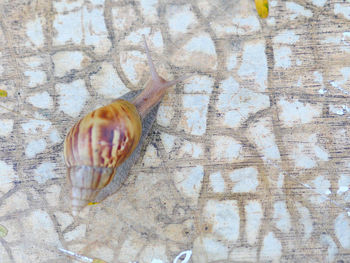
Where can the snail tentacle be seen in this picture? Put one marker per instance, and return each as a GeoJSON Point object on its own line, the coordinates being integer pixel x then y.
{"type": "Point", "coordinates": [155, 88]}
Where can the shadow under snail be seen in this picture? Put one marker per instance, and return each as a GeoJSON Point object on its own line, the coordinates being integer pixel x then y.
{"type": "Point", "coordinates": [105, 138]}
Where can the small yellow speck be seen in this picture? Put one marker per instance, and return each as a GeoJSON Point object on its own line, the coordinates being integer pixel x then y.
{"type": "Point", "coordinates": [262, 6]}
{"type": "Point", "coordinates": [3, 93]}
{"type": "Point", "coordinates": [96, 260]}
{"type": "Point", "coordinates": [93, 203]}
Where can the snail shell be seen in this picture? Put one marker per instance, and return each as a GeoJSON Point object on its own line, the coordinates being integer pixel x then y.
{"type": "Point", "coordinates": [102, 140]}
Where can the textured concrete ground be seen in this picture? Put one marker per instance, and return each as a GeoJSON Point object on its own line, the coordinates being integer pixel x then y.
{"type": "Point", "coordinates": [248, 160]}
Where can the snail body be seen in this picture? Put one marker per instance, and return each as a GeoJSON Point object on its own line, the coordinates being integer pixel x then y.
{"type": "Point", "coordinates": [103, 139]}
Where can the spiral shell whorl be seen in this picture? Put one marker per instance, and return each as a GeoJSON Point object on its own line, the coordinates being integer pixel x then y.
{"type": "Point", "coordinates": [86, 182]}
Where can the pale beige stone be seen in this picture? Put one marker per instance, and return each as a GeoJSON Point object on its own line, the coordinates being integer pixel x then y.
{"type": "Point", "coordinates": [243, 254]}
{"type": "Point", "coordinates": [199, 53]}
{"type": "Point", "coordinates": [52, 195]}
{"type": "Point", "coordinates": [39, 232]}
{"type": "Point", "coordinates": [14, 229]}
{"type": "Point", "coordinates": [224, 217]}
{"type": "Point", "coordinates": [217, 182]}
{"type": "Point", "coordinates": [207, 249]}
{"type": "Point", "coordinates": [7, 176]}
{"type": "Point", "coordinates": [133, 65]}
{"type": "Point", "coordinates": [76, 233]}
{"type": "Point", "coordinates": [16, 202]}
{"type": "Point", "coordinates": [226, 149]}
{"type": "Point", "coordinates": [272, 248]}
{"type": "Point", "coordinates": [72, 97]}
{"type": "Point", "coordinates": [282, 217]}
{"type": "Point", "coordinates": [40, 224]}
{"type": "Point", "coordinates": [131, 247]}
{"type": "Point", "coordinates": [63, 219]}
{"type": "Point", "coordinates": [107, 82]}
{"type": "Point", "coordinates": [104, 253]}
{"type": "Point", "coordinates": [177, 232]}
{"type": "Point", "coordinates": [151, 158]}
{"type": "Point", "coordinates": [6, 127]}
{"type": "Point", "coordinates": [154, 253]}
{"type": "Point", "coordinates": [180, 19]}
{"type": "Point", "coordinates": [189, 181]}
{"type": "Point", "coordinates": [68, 61]}
{"type": "Point", "coordinates": [254, 215]}
{"type": "Point", "coordinates": [164, 115]}
{"type": "Point", "coordinates": [306, 220]}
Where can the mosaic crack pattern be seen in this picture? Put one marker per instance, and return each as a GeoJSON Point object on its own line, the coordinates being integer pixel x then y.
{"type": "Point", "coordinates": [247, 157]}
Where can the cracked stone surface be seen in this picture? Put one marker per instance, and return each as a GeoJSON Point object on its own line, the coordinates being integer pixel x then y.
{"type": "Point", "coordinates": [247, 161]}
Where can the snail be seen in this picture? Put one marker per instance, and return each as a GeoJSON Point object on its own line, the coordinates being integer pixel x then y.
{"type": "Point", "coordinates": [105, 138]}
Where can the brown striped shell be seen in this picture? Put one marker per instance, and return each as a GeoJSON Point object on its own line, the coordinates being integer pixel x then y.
{"type": "Point", "coordinates": [104, 137]}
{"type": "Point", "coordinates": [96, 145]}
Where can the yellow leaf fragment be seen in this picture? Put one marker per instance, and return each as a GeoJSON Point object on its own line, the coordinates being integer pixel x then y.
{"type": "Point", "coordinates": [96, 260]}
{"type": "Point", "coordinates": [3, 231]}
{"type": "Point", "coordinates": [93, 203]}
{"type": "Point", "coordinates": [262, 7]}
{"type": "Point", "coordinates": [3, 93]}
